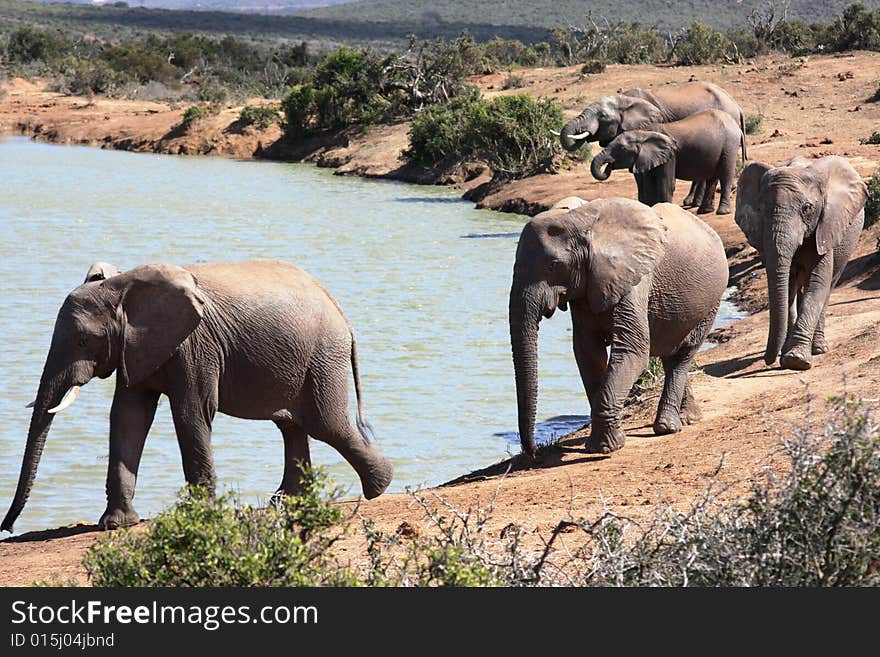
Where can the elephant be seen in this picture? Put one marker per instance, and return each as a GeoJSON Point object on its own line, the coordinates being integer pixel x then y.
{"type": "Point", "coordinates": [607, 117]}
{"type": "Point", "coordinates": [804, 217]}
{"type": "Point", "coordinates": [646, 281]}
{"type": "Point", "coordinates": [259, 340]}
{"type": "Point", "coordinates": [702, 147]}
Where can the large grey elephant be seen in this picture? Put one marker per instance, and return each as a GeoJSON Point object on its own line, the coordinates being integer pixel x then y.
{"type": "Point", "coordinates": [259, 340]}
{"type": "Point", "coordinates": [702, 148]}
{"type": "Point", "coordinates": [646, 281]}
{"type": "Point", "coordinates": [607, 117]}
{"type": "Point", "coordinates": [804, 217]}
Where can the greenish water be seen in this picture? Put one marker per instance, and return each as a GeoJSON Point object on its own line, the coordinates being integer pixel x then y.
{"type": "Point", "coordinates": [422, 276]}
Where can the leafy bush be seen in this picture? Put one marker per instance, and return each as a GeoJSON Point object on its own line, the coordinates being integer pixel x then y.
{"type": "Point", "coordinates": [873, 139]}
{"type": "Point", "coordinates": [593, 66]}
{"type": "Point", "coordinates": [858, 28]}
{"type": "Point", "coordinates": [872, 206]}
{"type": "Point", "coordinates": [703, 45]}
{"type": "Point", "coordinates": [196, 113]}
{"type": "Point", "coordinates": [510, 133]}
{"type": "Point", "coordinates": [205, 541]}
{"type": "Point", "coordinates": [505, 53]}
{"type": "Point", "coordinates": [875, 97]}
{"type": "Point", "coordinates": [753, 123]}
{"type": "Point", "coordinates": [513, 82]}
{"type": "Point", "coordinates": [30, 44]}
{"type": "Point", "coordinates": [299, 110]}
{"type": "Point", "coordinates": [261, 116]}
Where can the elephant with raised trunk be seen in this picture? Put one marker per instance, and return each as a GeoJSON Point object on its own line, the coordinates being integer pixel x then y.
{"type": "Point", "coordinates": [804, 217]}
{"type": "Point", "coordinates": [702, 148]}
{"type": "Point", "coordinates": [258, 340]}
{"type": "Point", "coordinates": [644, 281]}
{"type": "Point", "coordinates": [607, 117]}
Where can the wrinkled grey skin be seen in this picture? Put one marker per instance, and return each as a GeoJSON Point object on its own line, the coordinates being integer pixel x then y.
{"type": "Point", "coordinates": [804, 217]}
{"type": "Point", "coordinates": [608, 116]}
{"type": "Point", "coordinates": [702, 148]}
{"type": "Point", "coordinates": [644, 281]}
{"type": "Point", "coordinates": [259, 340]}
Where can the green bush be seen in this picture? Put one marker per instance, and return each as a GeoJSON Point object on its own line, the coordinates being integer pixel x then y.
{"type": "Point", "coordinates": [873, 139]}
{"type": "Point", "coordinates": [858, 28]}
{"type": "Point", "coordinates": [505, 53]}
{"type": "Point", "coordinates": [30, 44]}
{"type": "Point", "coordinates": [703, 45]}
{"type": "Point", "coordinates": [510, 133]}
{"type": "Point", "coordinates": [196, 113]}
{"type": "Point", "coordinates": [875, 97]}
{"type": "Point", "coordinates": [299, 110]}
{"type": "Point", "coordinates": [753, 123]}
{"type": "Point", "coordinates": [872, 206]}
{"type": "Point", "coordinates": [513, 82]}
{"type": "Point", "coordinates": [592, 66]}
{"type": "Point", "coordinates": [205, 541]}
{"type": "Point", "coordinates": [261, 116]}
{"type": "Point", "coordinates": [347, 87]}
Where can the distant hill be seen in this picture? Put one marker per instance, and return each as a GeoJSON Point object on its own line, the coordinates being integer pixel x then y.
{"type": "Point", "coordinates": [243, 6]}
{"type": "Point", "coordinates": [668, 14]}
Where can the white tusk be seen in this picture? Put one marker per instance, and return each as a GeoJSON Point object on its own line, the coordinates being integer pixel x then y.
{"type": "Point", "coordinates": [67, 400]}
{"type": "Point", "coordinates": [31, 405]}
{"type": "Point", "coordinates": [553, 132]}
{"type": "Point", "coordinates": [581, 136]}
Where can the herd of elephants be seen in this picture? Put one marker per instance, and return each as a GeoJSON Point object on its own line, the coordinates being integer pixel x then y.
{"type": "Point", "coordinates": [264, 340]}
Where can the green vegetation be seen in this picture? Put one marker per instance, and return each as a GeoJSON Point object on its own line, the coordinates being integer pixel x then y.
{"type": "Point", "coordinates": [753, 123]}
{"type": "Point", "coordinates": [513, 81]}
{"type": "Point", "coordinates": [510, 133]}
{"type": "Point", "coordinates": [196, 113]}
{"type": "Point", "coordinates": [703, 45]}
{"type": "Point", "coordinates": [593, 66]}
{"type": "Point", "coordinates": [873, 139]}
{"type": "Point", "coordinates": [872, 206]}
{"type": "Point", "coordinates": [261, 116]}
{"type": "Point", "coordinates": [813, 525]}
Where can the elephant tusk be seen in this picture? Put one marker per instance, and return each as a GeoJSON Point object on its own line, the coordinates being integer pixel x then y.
{"type": "Point", "coordinates": [67, 400]}
{"type": "Point", "coordinates": [555, 133]}
{"type": "Point", "coordinates": [581, 136]}
{"type": "Point", "coordinates": [31, 405]}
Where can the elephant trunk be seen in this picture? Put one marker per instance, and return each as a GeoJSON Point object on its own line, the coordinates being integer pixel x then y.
{"type": "Point", "coordinates": [524, 317]}
{"type": "Point", "coordinates": [57, 389]}
{"type": "Point", "coordinates": [778, 271]}
{"type": "Point", "coordinates": [596, 165]}
{"type": "Point", "coordinates": [580, 129]}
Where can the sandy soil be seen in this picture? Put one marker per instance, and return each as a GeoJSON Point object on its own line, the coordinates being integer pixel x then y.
{"type": "Point", "coordinates": [811, 107]}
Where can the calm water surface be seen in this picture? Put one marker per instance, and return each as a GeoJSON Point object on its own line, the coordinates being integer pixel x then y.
{"type": "Point", "coordinates": [422, 276]}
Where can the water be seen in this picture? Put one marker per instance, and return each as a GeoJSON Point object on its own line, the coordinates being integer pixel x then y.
{"type": "Point", "coordinates": [423, 277]}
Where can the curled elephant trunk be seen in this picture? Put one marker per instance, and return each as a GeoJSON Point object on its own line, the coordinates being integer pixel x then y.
{"type": "Point", "coordinates": [524, 318]}
{"type": "Point", "coordinates": [580, 129]}
{"type": "Point", "coordinates": [596, 167]}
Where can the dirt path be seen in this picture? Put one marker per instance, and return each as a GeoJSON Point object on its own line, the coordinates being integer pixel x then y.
{"type": "Point", "coordinates": [743, 401]}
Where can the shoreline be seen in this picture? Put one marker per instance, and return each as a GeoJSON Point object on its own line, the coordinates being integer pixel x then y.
{"type": "Point", "coordinates": [734, 386]}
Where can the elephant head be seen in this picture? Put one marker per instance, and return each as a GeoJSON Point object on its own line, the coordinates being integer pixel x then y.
{"type": "Point", "coordinates": [639, 151]}
{"type": "Point", "coordinates": [606, 118]}
{"type": "Point", "coordinates": [101, 271]}
{"type": "Point", "coordinates": [132, 322]}
{"type": "Point", "coordinates": [593, 254]}
{"type": "Point", "coordinates": [780, 208]}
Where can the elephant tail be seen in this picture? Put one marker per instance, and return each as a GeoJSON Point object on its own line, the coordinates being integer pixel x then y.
{"type": "Point", "coordinates": [742, 127]}
{"type": "Point", "coordinates": [363, 426]}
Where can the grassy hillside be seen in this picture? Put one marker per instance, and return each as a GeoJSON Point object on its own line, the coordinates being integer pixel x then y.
{"type": "Point", "coordinates": [547, 13]}
{"type": "Point", "coordinates": [248, 6]}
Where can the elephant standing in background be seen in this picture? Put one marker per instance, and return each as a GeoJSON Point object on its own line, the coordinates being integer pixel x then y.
{"type": "Point", "coordinates": [702, 147]}
{"type": "Point", "coordinates": [646, 281]}
{"type": "Point", "coordinates": [258, 340]}
{"type": "Point", "coordinates": [607, 117]}
{"type": "Point", "coordinates": [804, 218]}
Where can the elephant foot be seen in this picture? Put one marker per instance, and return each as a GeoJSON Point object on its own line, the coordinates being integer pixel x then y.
{"type": "Point", "coordinates": [117, 518]}
{"type": "Point", "coordinates": [793, 360]}
{"type": "Point", "coordinates": [724, 208]}
{"type": "Point", "coordinates": [706, 210]}
{"type": "Point", "coordinates": [378, 479]}
{"type": "Point", "coordinates": [688, 202]}
{"type": "Point", "coordinates": [666, 423]}
{"type": "Point", "coordinates": [605, 442]}
{"type": "Point", "coordinates": [691, 413]}
{"type": "Point", "coordinates": [820, 345]}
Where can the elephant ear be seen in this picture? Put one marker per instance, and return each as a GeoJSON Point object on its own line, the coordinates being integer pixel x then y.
{"type": "Point", "coordinates": [101, 271]}
{"type": "Point", "coordinates": [845, 197]}
{"type": "Point", "coordinates": [626, 239]}
{"type": "Point", "coordinates": [748, 215]}
{"type": "Point", "coordinates": [160, 306]}
{"type": "Point", "coordinates": [655, 149]}
{"type": "Point", "coordinates": [636, 113]}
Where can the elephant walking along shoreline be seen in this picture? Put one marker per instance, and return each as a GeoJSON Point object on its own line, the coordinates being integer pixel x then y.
{"type": "Point", "coordinates": [804, 217]}
{"type": "Point", "coordinates": [607, 117]}
{"type": "Point", "coordinates": [702, 148]}
{"type": "Point", "coordinates": [646, 281]}
{"type": "Point", "coordinates": [259, 340]}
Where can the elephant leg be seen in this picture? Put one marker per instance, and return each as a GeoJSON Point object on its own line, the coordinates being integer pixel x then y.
{"type": "Point", "coordinates": [131, 417]}
{"type": "Point", "coordinates": [675, 388]}
{"type": "Point", "coordinates": [727, 179]}
{"type": "Point", "coordinates": [798, 347]}
{"type": "Point", "coordinates": [327, 420]}
{"type": "Point", "coordinates": [694, 195]}
{"type": "Point", "coordinates": [296, 457]}
{"type": "Point", "coordinates": [690, 408]}
{"type": "Point", "coordinates": [707, 205]}
{"type": "Point", "coordinates": [589, 351]}
{"type": "Point", "coordinates": [794, 300]}
{"type": "Point", "coordinates": [820, 344]}
{"type": "Point", "coordinates": [630, 346]}
{"type": "Point", "coordinates": [192, 423]}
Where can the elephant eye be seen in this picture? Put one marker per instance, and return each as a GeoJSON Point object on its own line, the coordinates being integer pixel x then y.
{"type": "Point", "coordinates": [81, 342]}
{"type": "Point", "coordinates": [807, 207]}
